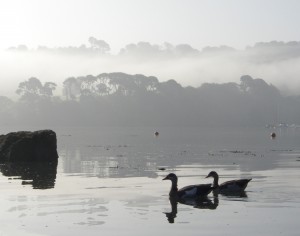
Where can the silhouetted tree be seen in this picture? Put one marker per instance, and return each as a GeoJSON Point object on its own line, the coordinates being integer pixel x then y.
{"type": "Point", "coordinates": [123, 99]}
{"type": "Point", "coordinates": [258, 87]}
{"type": "Point", "coordinates": [33, 89]}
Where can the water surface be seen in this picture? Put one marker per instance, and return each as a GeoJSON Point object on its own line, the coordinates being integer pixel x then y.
{"type": "Point", "coordinates": [109, 181]}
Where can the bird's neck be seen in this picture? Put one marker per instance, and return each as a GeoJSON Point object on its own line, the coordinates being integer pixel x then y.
{"type": "Point", "coordinates": [174, 188]}
{"type": "Point", "coordinates": [216, 181]}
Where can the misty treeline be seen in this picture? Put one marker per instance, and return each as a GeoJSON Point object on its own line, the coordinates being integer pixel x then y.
{"type": "Point", "coordinates": [95, 46]}
{"type": "Point", "coordinates": [137, 100]}
{"type": "Point", "coordinates": [263, 52]}
{"type": "Point", "coordinates": [276, 62]}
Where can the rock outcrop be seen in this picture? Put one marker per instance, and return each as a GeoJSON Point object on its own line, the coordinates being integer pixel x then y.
{"type": "Point", "coordinates": [25, 146]}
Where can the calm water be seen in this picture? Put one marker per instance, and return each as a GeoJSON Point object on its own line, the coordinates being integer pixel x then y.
{"type": "Point", "coordinates": [109, 181]}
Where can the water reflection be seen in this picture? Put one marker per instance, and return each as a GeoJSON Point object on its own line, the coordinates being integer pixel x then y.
{"type": "Point", "coordinates": [239, 194]}
{"type": "Point", "coordinates": [199, 203]}
{"type": "Point", "coordinates": [203, 203]}
{"type": "Point", "coordinates": [129, 161]}
{"type": "Point", "coordinates": [173, 214]}
{"type": "Point", "coordinates": [40, 175]}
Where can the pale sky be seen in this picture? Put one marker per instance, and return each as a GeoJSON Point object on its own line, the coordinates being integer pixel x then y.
{"type": "Point", "coordinates": [200, 23]}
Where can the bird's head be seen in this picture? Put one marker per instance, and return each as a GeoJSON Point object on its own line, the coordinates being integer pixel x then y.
{"type": "Point", "coordinates": [212, 174]}
{"type": "Point", "coordinates": [171, 177]}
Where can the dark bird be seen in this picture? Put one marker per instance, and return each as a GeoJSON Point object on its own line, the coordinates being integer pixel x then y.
{"type": "Point", "coordinates": [237, 185]}
{"type": "Point", "coordinates": [191, 191]}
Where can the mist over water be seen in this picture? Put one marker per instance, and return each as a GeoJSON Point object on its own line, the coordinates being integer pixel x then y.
{"type": "Point", "coordinates": [275, 62]}
{"type": "Point", "coordinates": [106, 109]}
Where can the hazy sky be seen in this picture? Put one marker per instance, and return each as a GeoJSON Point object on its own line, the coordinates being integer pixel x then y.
{"type": "Point", "coordinates": [200, 23]}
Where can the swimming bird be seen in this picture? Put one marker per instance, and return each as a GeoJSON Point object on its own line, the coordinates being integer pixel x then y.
{"type": "Point", "coordinates": [237, 185]}
{"type": "Point", "coordinates": [191, 191]}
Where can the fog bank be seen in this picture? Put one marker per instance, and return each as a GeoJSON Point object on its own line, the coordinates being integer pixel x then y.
{"type": "Point", "coordinates": [275, 62]}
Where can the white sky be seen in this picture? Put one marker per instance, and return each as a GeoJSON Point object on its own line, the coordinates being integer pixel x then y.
{"type": "Point", "coordinates": [200, 23]}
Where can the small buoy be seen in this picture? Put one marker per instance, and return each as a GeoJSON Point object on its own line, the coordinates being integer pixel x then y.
{"type": "Point", "coordinates": [156, 133]}
{"type": "Point", "coordinates": [273, 135]}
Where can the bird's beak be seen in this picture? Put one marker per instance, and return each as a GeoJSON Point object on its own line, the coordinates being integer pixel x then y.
{"type": "Point", "coordinates": [165, 178]}
{"type": "Point", "coordinates": [207, 177]}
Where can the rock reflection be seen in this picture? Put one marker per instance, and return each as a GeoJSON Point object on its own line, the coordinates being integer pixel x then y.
{"type": "Point", "coordinates": [199, 203]}
{"type": "Point", "coordinates": [40, 175]}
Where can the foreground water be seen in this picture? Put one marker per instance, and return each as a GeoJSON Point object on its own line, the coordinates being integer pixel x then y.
{"type": "Point", "coordinates": [109, 181]}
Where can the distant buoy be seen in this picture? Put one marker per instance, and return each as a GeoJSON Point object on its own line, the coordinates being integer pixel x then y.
{"type": "Point", "coordinates": [156, 133]}
{"type": "Point", "coordinates": [273, 135]}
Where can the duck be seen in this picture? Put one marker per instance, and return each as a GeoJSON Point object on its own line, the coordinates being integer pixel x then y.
{"type": "Point", "coordinates": [238, 185]}
{"type": "Point", "coordinates": [191, 191]}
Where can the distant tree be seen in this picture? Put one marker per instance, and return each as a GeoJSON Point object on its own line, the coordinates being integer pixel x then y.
{"type": "Point", "coordinates": [20, 48]}
{"type": "Point", "coordinates": [171, 87]}
{"type": "Point", "coordinates": [71, 88]}
{"type": "Point", "coordinates": [168, 47]}
{"type": "Point", "coordinates": [100, 45]}
{"type": "Point", "coordinates": [258, 87]}
{"type": "Point", "coordinates": [221, 49]}
{"type": "Point", "coordinates": [33, 89]}
{"type": "Point", "coordinates": [48, 89]}
{"type": "Point", "coordinates": [185, 49]}
{"type": "Point", "coordinates": [102, 89]}
{"type": "Point", "coordinates": [142, 50]}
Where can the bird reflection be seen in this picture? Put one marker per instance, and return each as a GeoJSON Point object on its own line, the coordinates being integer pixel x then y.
{"type": "Point", "coordinates": [172, 215]}
{"type": "Point", "coordinates": [40, 175]}
{"type": "Point", "coordinates": [240, 194]}
{"type": "Point", "coordinates": [199, 203]}
{"type": "Point", "coordinates": [202, 203]}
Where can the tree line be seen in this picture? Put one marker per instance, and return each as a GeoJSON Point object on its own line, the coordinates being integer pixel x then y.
{"type": "Point", "coordinates": [263, 52]}
{"type": "Point", "coordinates": [139, 100]}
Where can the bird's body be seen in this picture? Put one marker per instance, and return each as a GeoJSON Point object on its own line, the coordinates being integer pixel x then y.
{"type": "Point", "coordinates": [191, 191]}
{"type": "Point", "coordinates": [237, 185]}
{"type": "Point", "coordinates": [234, 185]}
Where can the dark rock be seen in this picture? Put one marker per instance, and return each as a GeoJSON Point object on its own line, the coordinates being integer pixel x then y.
{"type": "Point", "coordinates": [25, 146]}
